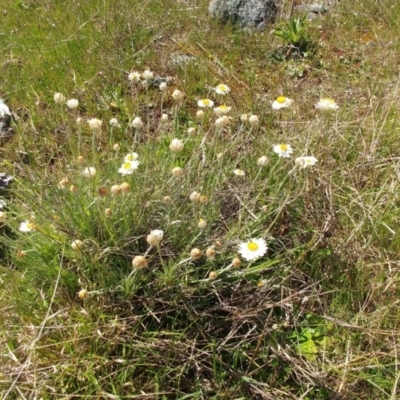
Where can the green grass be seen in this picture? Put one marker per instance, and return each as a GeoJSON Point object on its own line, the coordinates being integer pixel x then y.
{"type": "Point", "coordinates": [315, 318]}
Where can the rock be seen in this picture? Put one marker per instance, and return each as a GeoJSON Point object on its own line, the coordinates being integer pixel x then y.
{"type": "Point", "coordinates": [5, 180]}
{"type": "Point", "coordinates": [181, 60]}
{"type": "Point", "coordinates": [318, 8]}
{"type": "Point", "coordinates": [4, 110]}
{"type": "Point", "coordinates": [156, 82]}
{"type": "Point", "coordinates": [6, 118]}
{"type": "Point", "coordinates": [249, 14]}
{"type": "Point", "coordinates": [313, 10]}
{"type": "Point", "coordinates": [6, 130]}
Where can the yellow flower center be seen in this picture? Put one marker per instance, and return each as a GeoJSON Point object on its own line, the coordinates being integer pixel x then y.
{"type": "Point", "coordinates": [127, 165]}
{"type": "Point", "coordinates": [206, 102]}
{"type": "Point", "coordinates": [30, 226]}
{"type": "Point", "coordinates": [223, 107]}
{"type": "Point", "coordinates": [283, 147]}
{"type": "Point", "coordinates": [252, 246]}
{"type": "Point", "coordinates": [281, 99]}
{"type": "Point", "coordinates": [222, 88]}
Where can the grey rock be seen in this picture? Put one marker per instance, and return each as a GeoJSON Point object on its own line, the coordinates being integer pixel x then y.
{"type": "Point", "coordinates": [315, 8]}
{"type": "Point", "coordinates": [181, 59]}
{"type": "Point", "coordinates": [6, 130]}
{"type": "Point", "coordinates": [249, 14]}
{"type": "Point", "coordinates": [156, 82]}
{"type": "Point", "coordinates": [5, 180]}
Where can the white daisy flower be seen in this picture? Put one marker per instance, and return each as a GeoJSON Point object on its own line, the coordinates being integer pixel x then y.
{"type": "Point", "coordinates": [222, 121]}
{"type": "Point", "coordinates": [253, 249]}
{"type": "Point", "coordinates": [283, 150]}
{"type": "Point", "coordinates": [89, 172]}
{"type": "Point", "coordinates": [128, 167]}
{"type": "Point", "coordinates": [327, 104]}
{"type": "Point", "coordinates": [305, 162]}
{"type": "Point", "coordinates": [26, 226]}
{"type": "Point", "coordinates": [205, 103]}
{"type": "Point", "coordinates": [222, 110]}
{"type": "Point", "coordinates": [131, 156]}
{"type": "Point", "coordinates": [239, 172]}
{"type": "Point", "coordinates": [134, 76]}
{"type": "Point", "coordinates": [222, 89]}
{"type": "Point", "coordinates": [281, 102]}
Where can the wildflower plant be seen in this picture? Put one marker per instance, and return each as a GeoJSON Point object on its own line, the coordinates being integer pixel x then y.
{"type": "Point", "coordinates": [294, 35]}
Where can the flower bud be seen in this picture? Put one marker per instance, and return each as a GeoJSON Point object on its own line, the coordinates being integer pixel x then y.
{"type": "Point", "coordinates": [102, 191]}
{"type": "Point", "coordinates": [72, 104]}
{"type": "Point", "coordinates": [236, 262]}
{"type": "Point", "coordinates": [139, 262]}
{"type": "Point", "coordinates": [200, 114]}
{"type": "Point", "coordinates": [176, 145]}
{"type": "Point", "coordinates": [202, 224]}
{"type": "Point", "coordinates": [63, 183]}
{"type": "Point", "coordinates": [213, 275]}
{"type": "Point", "coordinates": [177, 95]}
{"type": "Point", "coordinates": [83, 293]}
{"type": "Point", "coordinates": [196, 253]}
{"type": "Point", "coordinates": [137, 123]}
{"type": "Point", "coordinates": [155, 237]}
{"type": "Point", "coordinates": [210, 253]}
{"type": "Point", "coordinates": [125, 187]}
{"type": "Point", "coordinates": [115, 189]}
{"type": "Point", "coordinates": [59, 98]}
{"type": "Point", "coordinates": [167, 199]}
{"type": "Point", "coordinates": [21, 253]}
{"type": "Point", "coordinates": [77, 245]}
{"type": "Point", "coordinates": [254, 120]}
{"type": "Point", "coordinates": [195, 197]}
{"type": "Point", "coordinates": [262, 161]}
{"type": "Point", "coordinates": [95, 124]}
{"type": "Point", "coordinates": [177, 172]}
